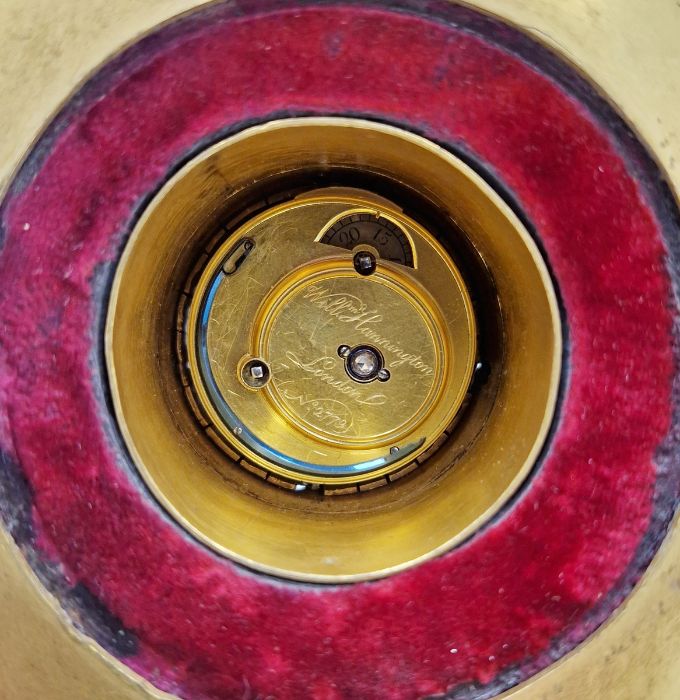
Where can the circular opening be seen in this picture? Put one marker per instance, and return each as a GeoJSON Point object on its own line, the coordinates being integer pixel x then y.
{"type": "Point", "coordinates": [301, 436]}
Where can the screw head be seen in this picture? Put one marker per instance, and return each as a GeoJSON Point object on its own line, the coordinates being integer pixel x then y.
{"type": "Point", "coordinates": [255, 374]}
{"type": "Point", "coordinates": [365, 263]}
{"type": "Point", "coordinates": [364, 363]}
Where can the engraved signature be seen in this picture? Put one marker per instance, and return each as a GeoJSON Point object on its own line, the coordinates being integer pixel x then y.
{"type": "Point", "coordinates": [321, 369]}
{"type": "Point", "coordinates": [348, 308]}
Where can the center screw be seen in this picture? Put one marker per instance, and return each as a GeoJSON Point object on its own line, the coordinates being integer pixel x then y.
{"type": "Point", "coordinates": [364, 363]}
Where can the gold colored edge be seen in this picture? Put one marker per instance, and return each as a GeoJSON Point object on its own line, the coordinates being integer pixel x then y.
{"type": "Point", "coordinates": [474, 525]}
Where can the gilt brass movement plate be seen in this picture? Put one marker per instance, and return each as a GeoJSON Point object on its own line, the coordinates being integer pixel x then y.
{"type": "Point", "coordinates": [353, 371]}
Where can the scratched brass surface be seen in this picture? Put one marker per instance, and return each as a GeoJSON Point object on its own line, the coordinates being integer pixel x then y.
{"type": "Point", "coordinates": [293, 302]}
{"type": "Point", "coordinates": [369, 532]}
{"type": "Point", "coordinates": [629, 48]}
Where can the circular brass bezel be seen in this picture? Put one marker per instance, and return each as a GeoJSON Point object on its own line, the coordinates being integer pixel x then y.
{"type": "Point", "coordinates": [306, 536]}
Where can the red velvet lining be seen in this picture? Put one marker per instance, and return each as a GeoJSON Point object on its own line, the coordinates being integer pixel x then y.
{"type": "Point", "coordinates": [208, 630]}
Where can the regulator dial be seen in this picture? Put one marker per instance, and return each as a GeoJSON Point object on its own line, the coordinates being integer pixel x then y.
{"type": "Point", "coordinates": [371, 229]}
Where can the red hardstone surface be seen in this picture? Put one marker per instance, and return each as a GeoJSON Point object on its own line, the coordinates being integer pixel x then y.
{"type": "Point", "coordinates": [206, 628]}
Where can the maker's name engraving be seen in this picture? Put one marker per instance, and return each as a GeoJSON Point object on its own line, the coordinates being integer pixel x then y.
{"type": "Point", "coordinates": [323, 368]}
{"type": "Point", "coordinates": [350, 309]}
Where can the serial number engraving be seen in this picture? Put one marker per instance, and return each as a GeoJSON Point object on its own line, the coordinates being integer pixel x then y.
{"type": "Point", "coordinates": [328, 413]}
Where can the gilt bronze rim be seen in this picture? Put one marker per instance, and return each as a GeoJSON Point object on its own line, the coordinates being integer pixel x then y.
{"type": "Point", "coordinates": [202, 469]}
